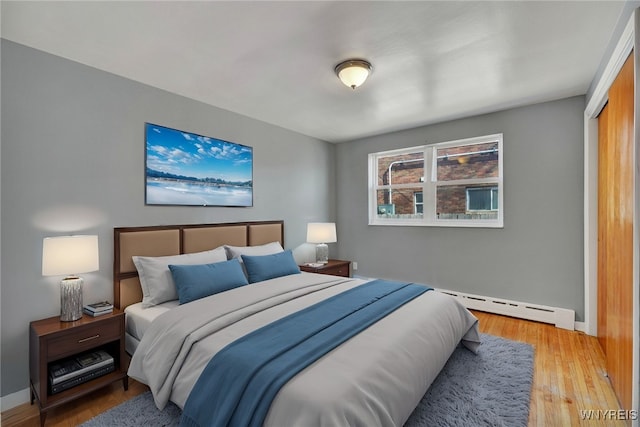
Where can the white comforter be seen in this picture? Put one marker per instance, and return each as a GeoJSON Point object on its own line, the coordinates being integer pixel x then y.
{"type": "Point", "coordinates": [376, 378]}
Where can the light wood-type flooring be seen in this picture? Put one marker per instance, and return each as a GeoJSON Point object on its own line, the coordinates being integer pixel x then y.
{"type": "Point", "coordinates": [569, 377]}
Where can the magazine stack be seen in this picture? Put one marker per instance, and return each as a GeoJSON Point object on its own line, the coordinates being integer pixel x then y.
{"type": "Point", "coordinates": [79, 369]}
{"type": "Point", "coordinates": [98, 308]}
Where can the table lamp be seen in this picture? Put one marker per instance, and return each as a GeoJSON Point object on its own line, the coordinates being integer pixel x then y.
{"type": "Point", "coordinates": [321, 233]}
{"type": "Point", "coordinates": [70, 256]}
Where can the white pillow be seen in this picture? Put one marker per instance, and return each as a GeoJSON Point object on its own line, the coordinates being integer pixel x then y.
{"type": "Point", "coordinates": [155, 276]}
{"type": "Point", "coordinates": [267, 249]}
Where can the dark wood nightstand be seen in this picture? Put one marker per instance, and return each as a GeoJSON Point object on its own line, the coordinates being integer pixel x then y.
{"type": "Point", "coordinates": [51, 340]}
{"type": "Point", "coordinates": [334, 267]}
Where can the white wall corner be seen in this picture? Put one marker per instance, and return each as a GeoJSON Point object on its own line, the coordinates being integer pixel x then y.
{"type": "Point", "coordinates": [580, 327]}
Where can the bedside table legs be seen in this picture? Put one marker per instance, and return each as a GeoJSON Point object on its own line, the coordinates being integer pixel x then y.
{"type": "Point", "coordinates": [43, 417]}
{"type": "Point", "coordinates": [43, 414]}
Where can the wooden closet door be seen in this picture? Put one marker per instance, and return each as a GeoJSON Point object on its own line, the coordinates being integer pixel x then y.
{"type": "Point", "coordinates": [615, 232]}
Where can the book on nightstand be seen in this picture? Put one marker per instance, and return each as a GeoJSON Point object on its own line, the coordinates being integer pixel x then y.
{"type": "Point", "coordinates": [98, 308]}
{"type": "Point", "coordinates": [96, 313]}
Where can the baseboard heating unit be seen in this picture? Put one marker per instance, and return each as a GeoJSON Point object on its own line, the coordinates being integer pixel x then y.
{"type": "Point", "coordinates": [560, 317]}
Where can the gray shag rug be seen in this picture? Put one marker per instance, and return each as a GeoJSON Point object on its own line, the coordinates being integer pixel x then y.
{"type": "Point", "coordinates": [491, 388]}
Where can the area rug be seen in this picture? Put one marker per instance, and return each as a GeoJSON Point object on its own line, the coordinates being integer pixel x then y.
{"type": "Point", "coordinates": [491, 388]}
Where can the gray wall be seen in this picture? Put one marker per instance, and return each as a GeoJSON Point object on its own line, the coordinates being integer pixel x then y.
{"type": "Point", "coordinates": [73, 162]}
{"type": "Point", "coordinates": [537, 257]}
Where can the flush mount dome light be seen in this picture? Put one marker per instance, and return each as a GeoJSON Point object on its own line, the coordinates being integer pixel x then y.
{"type": "Point", "coordinates": [353, 72]}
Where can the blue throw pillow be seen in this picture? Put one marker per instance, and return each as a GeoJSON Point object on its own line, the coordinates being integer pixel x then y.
{"type": "Point", "coordinates": [266, 267]}
{"type": "Point", "coordinates": [198, 281]}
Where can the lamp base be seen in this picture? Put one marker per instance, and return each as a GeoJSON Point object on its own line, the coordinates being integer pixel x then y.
{"type": "Point", "coordinates": [322, 253]}
{"type": "Point", "coordinates": [71, 299]}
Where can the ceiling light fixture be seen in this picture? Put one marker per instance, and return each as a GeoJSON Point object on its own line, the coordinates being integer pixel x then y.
{"type": "Point", "coordinates": [353, 72]}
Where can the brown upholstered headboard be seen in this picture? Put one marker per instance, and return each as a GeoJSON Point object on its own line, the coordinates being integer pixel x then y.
{"type": "Point", "coordinates": [163, 240]}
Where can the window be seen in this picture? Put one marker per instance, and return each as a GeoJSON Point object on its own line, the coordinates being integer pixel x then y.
{"type": "Point", "coordinates": [456, 183]}
{"type": "Point", "coordinates": [481, 199]}
{"type": "Point", "coordinates": [417, 202]}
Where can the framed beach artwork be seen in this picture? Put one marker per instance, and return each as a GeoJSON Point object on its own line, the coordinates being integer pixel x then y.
{"type": "Point", "coordinates": [183, 168]}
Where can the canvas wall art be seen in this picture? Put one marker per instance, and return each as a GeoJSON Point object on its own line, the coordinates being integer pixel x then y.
{"type": "Point", "coordinates": [184, 168]}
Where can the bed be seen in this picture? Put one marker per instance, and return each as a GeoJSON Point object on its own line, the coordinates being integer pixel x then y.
{"type": "Point", "coordinates": [374, 377]}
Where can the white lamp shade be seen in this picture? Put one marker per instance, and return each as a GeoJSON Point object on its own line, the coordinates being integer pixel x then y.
{"type": "Point", "coordinates": [353, 72]}
{"type": "Point", "coordinates": [321, 232]}
{"type": "Point", "coordinates": [69, 255]}
{"type": "Point", "coordinates": [353, 77]}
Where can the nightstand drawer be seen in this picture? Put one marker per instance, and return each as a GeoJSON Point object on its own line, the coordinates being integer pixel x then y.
{"type": "Point", "coordinates": [334, 267]}
{"type": "Point", "coordinates": [83, 338]}
{"type": "Point", "coordinates": [341, 270]}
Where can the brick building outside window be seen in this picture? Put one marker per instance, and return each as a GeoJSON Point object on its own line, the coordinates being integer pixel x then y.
{"type": "Point", "coordinates": [452, 183]}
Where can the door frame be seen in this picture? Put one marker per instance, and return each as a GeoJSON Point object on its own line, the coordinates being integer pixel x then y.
{"type": "Point", "coordinates": [630, 37]}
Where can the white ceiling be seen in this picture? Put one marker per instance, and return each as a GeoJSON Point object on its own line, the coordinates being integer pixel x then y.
{"type": "Point", "coordinates": [274, 61]}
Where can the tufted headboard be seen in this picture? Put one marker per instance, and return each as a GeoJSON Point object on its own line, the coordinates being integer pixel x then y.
{"type": "Point", "coordinates": [163, 240]}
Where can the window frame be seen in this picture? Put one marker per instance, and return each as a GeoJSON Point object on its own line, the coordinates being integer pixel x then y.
{"type": "Point", "coordinates": [429, 185]}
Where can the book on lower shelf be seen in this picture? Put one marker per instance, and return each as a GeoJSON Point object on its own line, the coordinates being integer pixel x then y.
{"type": "Point", "coordinates": [82, 378]}
{"type": "Point", "coordinates": [85, 366]}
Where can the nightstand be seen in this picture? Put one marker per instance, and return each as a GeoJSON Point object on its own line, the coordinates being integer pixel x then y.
{"type": "Point", "coordinates": [334, 267]}
{"type": "Point", "coordinates": [51, 340]}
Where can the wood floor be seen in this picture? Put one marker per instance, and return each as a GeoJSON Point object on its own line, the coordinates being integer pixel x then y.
{"type": "Point", "coordinates": [569, 377]}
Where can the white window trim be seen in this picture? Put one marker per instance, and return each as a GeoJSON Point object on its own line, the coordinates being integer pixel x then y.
{"type": "Point", "coordinates": [430, 185]}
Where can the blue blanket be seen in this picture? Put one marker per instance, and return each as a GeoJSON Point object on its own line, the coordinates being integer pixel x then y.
{"type": "Point", "coordinates": [238, 385]}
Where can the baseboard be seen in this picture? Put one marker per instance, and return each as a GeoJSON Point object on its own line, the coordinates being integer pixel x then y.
{"type": "Point", "coordinates": [14, 399]}
{"type": "Point", "coordinates": [560, 317]}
